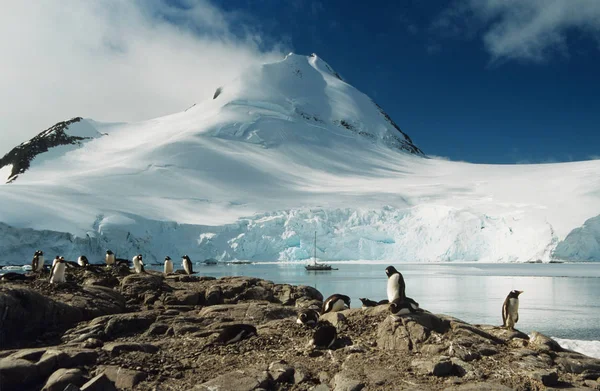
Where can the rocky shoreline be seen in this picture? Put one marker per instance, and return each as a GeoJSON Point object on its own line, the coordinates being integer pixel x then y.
{"type": "Point", "coordinates": [111, 329]}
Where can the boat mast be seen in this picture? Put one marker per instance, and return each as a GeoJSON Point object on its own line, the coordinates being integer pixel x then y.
{"type": "Point", "coordinates": [315, 257]}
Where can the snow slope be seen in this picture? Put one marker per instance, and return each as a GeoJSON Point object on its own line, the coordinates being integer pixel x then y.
{"type": "Point", "coordinates": [287, 149]}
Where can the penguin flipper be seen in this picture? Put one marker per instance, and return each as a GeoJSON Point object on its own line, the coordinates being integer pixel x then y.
{"type": "Point", "coordinates": [517, 318]}
{"type": "Point", "coordinates": [504, 312]}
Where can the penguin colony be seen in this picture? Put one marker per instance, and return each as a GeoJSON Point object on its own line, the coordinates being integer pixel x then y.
{"type": "Point", "coordinates": [324, 335]}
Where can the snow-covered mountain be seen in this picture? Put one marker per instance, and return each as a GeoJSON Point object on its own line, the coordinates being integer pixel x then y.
{"type": "Point", "coordinates": [286, 149]}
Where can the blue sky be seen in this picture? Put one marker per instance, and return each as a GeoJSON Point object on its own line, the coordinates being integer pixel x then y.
{"type": "Point", "coordinates": [486, 81]}
{"type": "Point", "coordinates": [458, 93]}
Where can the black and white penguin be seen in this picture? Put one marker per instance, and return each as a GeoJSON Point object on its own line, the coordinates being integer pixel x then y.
{"type": "Point", "coordinates": [404, 307]}
{"type": "Point", "coordinates": [234, 333]}
{"type": "Point", "coordinates": [110, 258]}
{"type": "Point", "coordinates": [384, 301]}
{"type": "Point", "coordinates": [510, 309]}
{"type": "Point", "coordinates": [55, 261]}
{"type": "Point", "coordinates": [187, 264]}
{"type": "Point", "coordinates": [335, 302]}
{"type": "Point", "coordinates": [367, 302]}
{"type": "Point", "coordinates": [395, 284]}
{"type": "Point", "coordinates": [308, 317]}
{"type": "Point", "coordinates": [168, 265]}
{"type": "Point", "coordinates": [138, 263]}
{"type": "Point", "coordinates": [324, 336]}
{"type": "Point", "coordinates": [57, 274]}
{"type": "Point", "coordinates": [37, 264]}
{"type": "Point", "coordinates": [83, 261]}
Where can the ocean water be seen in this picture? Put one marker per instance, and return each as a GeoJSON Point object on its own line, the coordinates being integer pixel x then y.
{"type": "Point", "coordinates": [559, 300]}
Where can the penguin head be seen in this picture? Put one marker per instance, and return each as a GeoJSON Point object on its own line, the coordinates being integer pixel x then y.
{"type": "Point", "coordinates": [61, 259]}
{"type": "Point", "coordinates": [186, 257]}
{"type": "Point", "coordinates": [139, 257]}
{"type": "Point", "coordinates": [514, 294]}
{"type": "Point", "coordinates": [390, 270]}
{"type": "Point", "coordinates": [346, 299]}
{"type": "Point", "coordinates": [167, 258]}
{"type": "Point", "coordinates": [39, 252]}
{"type": "Point", "coordinates": [108, 252]}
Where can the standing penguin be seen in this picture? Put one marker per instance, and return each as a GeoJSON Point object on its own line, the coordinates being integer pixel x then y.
{"type": "Point", "coordinates": [57, 274]}
{"type": "Point", "coordinates": [510, 309]}
{"type": "Point", "coordinates": [336, 302]}
{"type": "Point", "coordinates": [187, 264]}
{"type": "Point", "coordinates": [138, 263]}
{"type": "Point", "coordinates": [168, 265]}
{"type": "Point", "coordinates": [395, 284]}
{"type": "Point", "coordinates": [110, 258]}
{"type": "Point", "coordinates": [83, 261]}
{"type": "Point", "coordinates": [55, 261]}
{"type": "Point", "coordinates": [37, 264]}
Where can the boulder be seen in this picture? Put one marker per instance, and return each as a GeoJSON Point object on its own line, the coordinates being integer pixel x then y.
{"type": "Point", "coordinates": [99, 383]}
{"type": "Point", "coordinates": [63, 377]}
{"type": "Point", "coordinates": [540, 342]}
{"type": "Point", "coordinates": [116, 348]}
{"type": "Point", "coordinates": [435, 367]}
{"type": "Point", "coordinates": [17, 373]}
{"type": "Point", "coordinates": [122, 377]}
{"type": "Point", "coordinates": [342, 382]}
{"type": "Point", "coordinates": [281, 372]}
{"type": "Point", "coordinates": [238, 380]}
{"type": "Point", "coordinates": [135, 287]}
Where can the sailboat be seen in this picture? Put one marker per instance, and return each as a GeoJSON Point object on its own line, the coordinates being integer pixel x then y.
{"type": "Point", "coordinates": [317, 266]}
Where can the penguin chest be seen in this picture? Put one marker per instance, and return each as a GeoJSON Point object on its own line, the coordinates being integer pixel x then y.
{"type": "Point", "coordinates": [59, 273]}
{"type": "Point", "coordinates": [168, 267]}
{"type": "Point", "coordinates": [513, 308]}
{"type": "Point", "coordinates": [393, 287]}
{"type": "Point", "coordinates": [110, 259]}
{"type": "Point", "coordinates": [40, 263]}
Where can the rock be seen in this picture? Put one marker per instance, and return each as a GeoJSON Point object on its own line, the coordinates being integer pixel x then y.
{"type": "Point", "coordinates": [29, 354]}
{"type": "Point", "coordinates": [71, 387]}
{"type": "Point", "coordinates": [122, 377]}
{"type": "Point", "coordinates": [214, 296]}
{"type": "Point", "coordinates": [99, 383]}
{"type": "Point", "coordinates": [181, 297]}
{"type": "Point", "coordinates": [487, 350]}
{"type": "Point", "coordinates": [461, 368]}
{"type": "Point", "coordinates": [478, 386]}
{"type": "Point", "coordinates": [17, 372]}
{"type": "Point", "coordinates": [300, 376]}
{"type": "Point", "coordinates": [547, 377]}
{"type": "Point", "coordinates": [258, 312]}
{"type": "Point", "coordinates": [504, 333]}
{"type": "Point", "coordinates": [577, 363]}
{"type": "Point", "coordinates": [116, 348]}
{"type": "Point", "coordinates": [238, 380]}
{"type": "Point", "coordinates": [92, 343]}
{"type": "Point", "coordinates": [157, 329]}
{"type": "Point", "coordinates": [466, 329]}
{"type": "Point", "coordinates": [63, 377]}
{"type": "Point", "coordinates": [523, 352]}
{"type": "Point", "coordinates": [541, 342]}
{"type": "Point", "coordinates": [435, 368]}
{"type": "Point", "coordinates": [344, 383]}
{"type": "Point", "coordinates": [27, 314]}
{"type": "Point", "coordinates": [337, 319]}
{"type": "Point", "coordinates": [54, 359]}
{"type": "Point", "coordinates": [135, 287]}
{"type": "Point", "coordinates": [124, 324]}
{"type": "Point", "coordinates": [320, 387]}
{"type": "Point", "coordinates": [281, 372]}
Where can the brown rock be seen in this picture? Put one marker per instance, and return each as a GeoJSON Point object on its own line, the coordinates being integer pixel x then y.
{"type": "Point", "coordinates": [99, 383]}
{"type": "Point", "coordinates": [63, 377]}
{"type": "Point", "coordinates": [541, 342]}
{"type": "Point", "coordinates": [116, 348]}
{"type": "Point", "coordinates": [17, 372]}
{"type": "Point", "coordinates": [238, 380]}
{"type": "Point", "coordinates": [122, 377]}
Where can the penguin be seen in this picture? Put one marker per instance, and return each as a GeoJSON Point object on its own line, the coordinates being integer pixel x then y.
{"type": "Point", "coordinates": [324, 336]}
{"type": "Point", "coordinates": [384, 301]}
{"type": "Point", "coordinates": [510, 309]}
{"type": "Point", "coordinates": [57, 274]}
{"type": "Point", "coordinates": [367, 303]}
{"type": "Point", "coordinates": [234, 333]}
{"type": "Point", "coordinates": [110, 258]}
{"type": "Point", "coordinates": [187, 264]}
{"type": "Point", "coordinates": [336, 302]}
{"type": "Point", "coordinates": [55, 261]}
{"type": "Point", "coordinates": [37, 264]}
{"type": "Point", "coordinates": [138, 263]}
{"type": "Point", "coordinates": [168, 265]}
{"type": "Point", "coordinates": [395, 284]}
{"type": "Point", "coordinates": [403, 307]}
{"type": "Point", "coordinates": [308, 317]}
{"type": "Point", "coordinates": [83, 261]}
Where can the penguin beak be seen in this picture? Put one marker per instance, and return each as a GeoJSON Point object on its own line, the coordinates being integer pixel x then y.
{"type": "Point", "coordinates": [520, 292]}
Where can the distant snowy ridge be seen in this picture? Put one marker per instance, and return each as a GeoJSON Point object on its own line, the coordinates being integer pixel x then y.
{"type": "Point", "coordinates": [68, 135]}
{"type": "Point", "coordinates": [284, 150]}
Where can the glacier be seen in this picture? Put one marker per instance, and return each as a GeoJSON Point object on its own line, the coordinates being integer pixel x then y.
{"type": "Point", "coordinates": [286, 150]}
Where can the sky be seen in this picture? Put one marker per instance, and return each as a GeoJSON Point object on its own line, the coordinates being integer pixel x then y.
{"type": "Point", "coordinates": [484, 81]}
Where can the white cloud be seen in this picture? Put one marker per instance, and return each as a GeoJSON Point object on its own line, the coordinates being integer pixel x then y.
{"type": "Point", "coordinates": [114, 60]}
{"type": "Point", "coordinates": [528, 30]}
